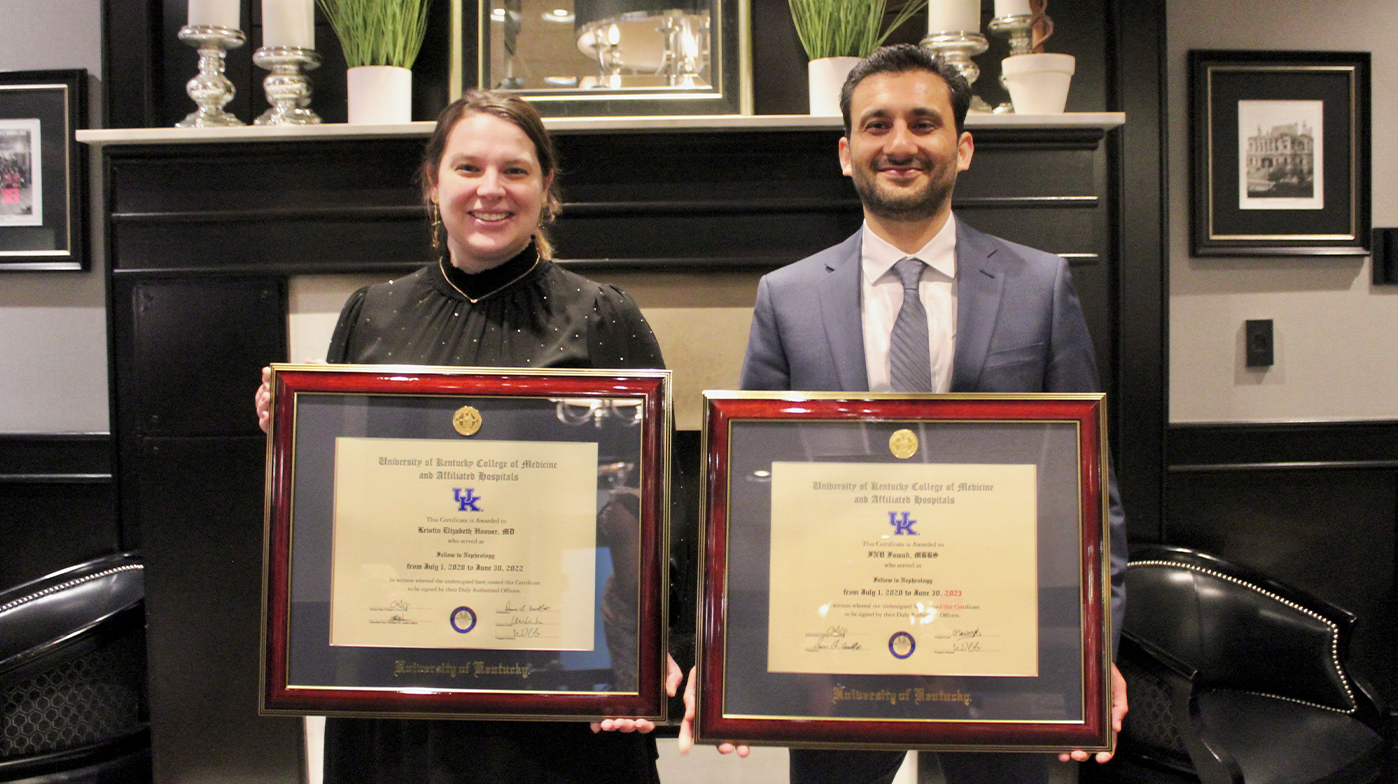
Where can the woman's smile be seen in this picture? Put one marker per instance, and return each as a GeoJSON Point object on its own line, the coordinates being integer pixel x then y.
{"type": "Point", "coordinates": [491, 192]}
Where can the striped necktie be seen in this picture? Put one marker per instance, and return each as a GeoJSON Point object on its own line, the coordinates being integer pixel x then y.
{"type": "Point", "coordinates": [909, 352]}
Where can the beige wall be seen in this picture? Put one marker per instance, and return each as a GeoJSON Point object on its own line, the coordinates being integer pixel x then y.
{"type": "Point", "coordinates": [700, 318]}
{"type": "Point", "coordinates": [1334, 330]}
{"type": "Point", "coordinates": [53, 325]}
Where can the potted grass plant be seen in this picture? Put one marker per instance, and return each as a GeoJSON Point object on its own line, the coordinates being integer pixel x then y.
{"type": "Point", "coordinates": [835, 34]}
{"type": "Point", "coordinates": [381, 39]}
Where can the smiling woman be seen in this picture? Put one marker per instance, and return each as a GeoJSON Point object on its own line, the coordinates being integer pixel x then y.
{"type": "Point", "coordinates": [488, 173]}
{"type": "Point", "coordinates": [490, 192]}
{"type": "Point", "coordinates": [494, 299]}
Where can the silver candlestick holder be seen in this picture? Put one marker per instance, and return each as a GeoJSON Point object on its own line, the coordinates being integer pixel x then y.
{"type": "Point", "coordinates": [1020, 32]}
{"type": "Point", "coordinates": [1018, 29]}
{"type": "Point", "coordinates": [210, 90]}
{"type": "Point", "coordinates": [288, 90]}
{"type": "Point", "coordinates": [958, 47]}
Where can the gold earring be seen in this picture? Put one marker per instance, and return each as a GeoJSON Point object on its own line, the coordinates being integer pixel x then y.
{"type": "Point", "coordinates": [436, 225]}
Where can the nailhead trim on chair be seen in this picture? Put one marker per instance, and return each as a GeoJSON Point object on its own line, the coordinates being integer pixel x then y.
{"type": "Point", "coordinates": [66, 585]}
{"type": "Point", "coordinates": [1334, 631]}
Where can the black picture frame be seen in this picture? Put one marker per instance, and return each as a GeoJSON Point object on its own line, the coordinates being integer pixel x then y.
{"type": "Point", "coordinates": [43, 216]}
{"type": "Point", "coordinates": [1302, 191]}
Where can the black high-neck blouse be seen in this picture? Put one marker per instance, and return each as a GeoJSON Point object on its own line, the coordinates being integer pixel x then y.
{"type": "Point", "coordinates": [528, 312]}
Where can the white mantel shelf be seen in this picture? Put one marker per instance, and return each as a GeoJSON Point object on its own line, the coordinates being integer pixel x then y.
{"type": "Point", "coordinates": [782, 122]}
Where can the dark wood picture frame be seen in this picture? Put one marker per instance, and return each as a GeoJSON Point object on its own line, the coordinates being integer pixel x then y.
{"type": "Point", "coordinates": [1302, 185]}
{"type": "Point", "coordinates": [742, 698]}
{"type": "Point", "coordinates": [452, 682]}
{"type": "Point", "coordinates": [43, 109]}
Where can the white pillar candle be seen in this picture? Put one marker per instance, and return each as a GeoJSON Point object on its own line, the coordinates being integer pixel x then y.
{"type": "Point", "coordinates": [1012, 8]}
{"type": "Point", "coordinates": [289, 23]}
{"type": "Point", "coordinates": [214, 13]}
{"type": "Point", "coordinates": [953, 15]}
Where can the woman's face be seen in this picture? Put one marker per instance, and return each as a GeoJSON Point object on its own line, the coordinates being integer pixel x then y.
{"type": "Point", "coordinates": [491, 191]}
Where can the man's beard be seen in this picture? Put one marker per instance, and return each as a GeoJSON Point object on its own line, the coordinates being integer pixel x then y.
{"type": "Point", "coordinates": [904, 205]}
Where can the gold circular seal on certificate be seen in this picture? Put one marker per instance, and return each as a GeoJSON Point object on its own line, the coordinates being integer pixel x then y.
{"type": "Point", "coordinates": [903, 444]}
{"type": "Point", "coordinates": [466, 420]}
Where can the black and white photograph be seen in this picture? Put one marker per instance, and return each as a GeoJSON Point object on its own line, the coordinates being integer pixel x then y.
{"type": "Point", "coordinates": [21, 180]}
{"type": "Point", "coordinates": [1282, 155]}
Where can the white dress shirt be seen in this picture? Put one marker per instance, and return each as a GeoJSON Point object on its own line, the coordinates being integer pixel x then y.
{"type": "Point", "coordinates": [881, 298]}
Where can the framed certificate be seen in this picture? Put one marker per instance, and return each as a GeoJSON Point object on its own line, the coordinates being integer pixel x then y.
{"type": "Point", "coordinates": [895, 571]}
{"type": "Point", "coordinates": [466, 542]}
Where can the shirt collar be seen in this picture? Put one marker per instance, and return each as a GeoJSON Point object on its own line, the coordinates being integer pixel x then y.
{"type": "Point", "coordinates": [878, 256]}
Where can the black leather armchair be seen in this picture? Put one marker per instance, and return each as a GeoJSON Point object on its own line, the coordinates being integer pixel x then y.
{"type": "Point", "coordinates": [73, 676]}
{"type": "Point", "coordinates": [1234, 677]}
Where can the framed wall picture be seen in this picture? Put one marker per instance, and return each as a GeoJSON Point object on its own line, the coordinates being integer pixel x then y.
{"type": "Point", "coordinates": [608, 58]}
{"type": "Point", "coordinates": [1280, 152]}
{"type": "Point", "coordinates": [43, 174]}
{"type": "Point", "coordinates": [466, 542]}
{"type": "Point", "coordinates": [905, 571]}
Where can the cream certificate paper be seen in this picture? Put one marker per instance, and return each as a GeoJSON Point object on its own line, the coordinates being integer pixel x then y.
{"type": "Point", "coordinates": [906, 569]}
{"type": "Point", "coordinates": [464, 544]}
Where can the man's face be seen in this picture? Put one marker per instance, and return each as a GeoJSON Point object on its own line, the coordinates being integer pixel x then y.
{"type": "Point", "coordinates": [903, 151]}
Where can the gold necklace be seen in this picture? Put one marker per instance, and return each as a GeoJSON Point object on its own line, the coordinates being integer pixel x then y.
{"type": "Point", "coordinates": [473, 300]}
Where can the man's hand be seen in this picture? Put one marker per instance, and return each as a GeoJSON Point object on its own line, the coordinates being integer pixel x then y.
{"type": "Point", "coordinates": [687, 726]}
{"type": "Point", "coordinates": [673, 676]}
{"type": "Point", "coordinates": [1119, 708]}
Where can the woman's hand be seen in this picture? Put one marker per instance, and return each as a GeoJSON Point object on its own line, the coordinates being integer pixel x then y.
{"type": "Point", "coordinates": [687, 726]}
{"type": "Point", "coordinates": [262, 401]}
{"type": "Point", "coordinates": [673, 676]}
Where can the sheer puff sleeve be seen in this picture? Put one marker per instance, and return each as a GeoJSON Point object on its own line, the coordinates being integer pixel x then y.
{"type": "Point", "coordinates": [344, 328]}
{"type": "Point", "coordinates": [619, 335]}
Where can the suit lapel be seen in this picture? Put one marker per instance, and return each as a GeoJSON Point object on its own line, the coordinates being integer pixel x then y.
{"type": "Point", "coordinates": [979, 283]}
{"type": "Point", "coordinates": [839, 310]}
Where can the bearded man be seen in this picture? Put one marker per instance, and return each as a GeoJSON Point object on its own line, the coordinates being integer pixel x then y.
{"type": "Point", "coordinates": [917, 301]}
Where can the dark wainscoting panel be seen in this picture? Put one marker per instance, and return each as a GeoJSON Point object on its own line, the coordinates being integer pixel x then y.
{"type": "Point", "coordinates": [187, 355]}
{"type": "Point", "coordinates": [201, 510]}
{"type": "Point", "coordinates": [1312, 504]}
{"type": "Point", "coordinates": [57, 503]}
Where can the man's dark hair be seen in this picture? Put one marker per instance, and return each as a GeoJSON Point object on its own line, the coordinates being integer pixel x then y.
{"type": "Point", "coordinates": [902, 58]}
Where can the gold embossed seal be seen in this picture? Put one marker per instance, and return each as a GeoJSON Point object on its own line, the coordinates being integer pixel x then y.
{"type": "Point", "coordinates": [466, 420]}
{"type": "Point", "coordinates": [903, 444]}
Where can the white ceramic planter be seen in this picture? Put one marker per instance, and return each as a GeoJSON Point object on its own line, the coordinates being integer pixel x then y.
{"type": "Point", "coordinates": [1038, 83]}
{"type": "Point", "coordinates": [380, 94]}
{"type": "Point", "coordinates": [827, 76]}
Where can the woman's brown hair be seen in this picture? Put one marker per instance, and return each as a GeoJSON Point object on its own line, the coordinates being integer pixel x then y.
{"type": "Point", "coordinates": [519, 113]}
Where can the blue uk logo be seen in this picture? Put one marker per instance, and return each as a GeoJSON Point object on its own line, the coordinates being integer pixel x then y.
{"type": "Point", "coordinates": [901, 525]}
{"type": "Point", "coordinates": [467, 500]}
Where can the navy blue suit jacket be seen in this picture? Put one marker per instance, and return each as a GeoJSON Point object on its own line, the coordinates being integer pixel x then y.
{"type": "Point", "coordinates": [1019, 328]}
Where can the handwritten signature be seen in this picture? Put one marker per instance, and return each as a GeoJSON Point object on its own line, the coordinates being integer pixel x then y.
{"type": "Point", "coordinates": [832, 639]}
{"type": "Point", "coordinates": [510, 607]}
{"type": "Point", "coordinates": [962, 641]}
{"type": "Point", "coordinates": [398, 605]}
